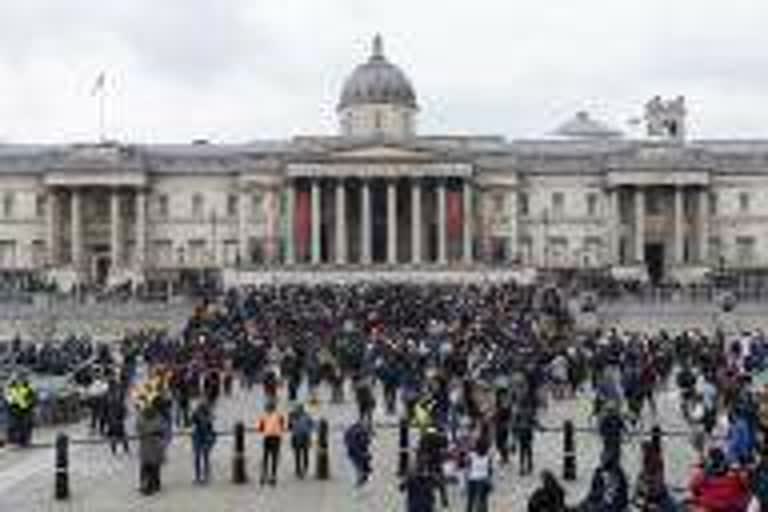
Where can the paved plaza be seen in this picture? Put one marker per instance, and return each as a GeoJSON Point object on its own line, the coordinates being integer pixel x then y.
{"type": "Point", "coordinates": [101, 482]}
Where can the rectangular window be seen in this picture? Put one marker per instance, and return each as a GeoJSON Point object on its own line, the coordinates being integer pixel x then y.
{"type": "Point", "coordinates": [7, 253]}
{"type": "Point", "coordinates": [526, 250]}
{"type": "Point", "coordinates": [592, 251]}
{"type": "Point", "coordinates": [9, 202]}
{"type": "Point", "coordinates": [257, 203]}
{"type": "Point", "coordinates": [162, 206]}
{"type": "Point", "coordinates": [232, 205]}
{"type": "Point", "coordinates": [713, 204]}
{"type": "Point", "coordinates": [715, 250]}
{"type": "Point", "coordinates": [523, 208]}
{"type": "Point", "coordinates": [592, 204]}
{"type": "Point", "coordinates": [654, 201]}
{"type": "Point", "coordinates": [745, 249]}
{"type": "Point", "coordinates": [498, 204]}
{"type": "Point", "coordinates": [41, 201]}
{"type": "Point", "coordinates": [197, 254]}
{"type": "Point", "coordinates": [231, 252]}
{"type": "Point", "coordinates": [558, 204]}
{"type": "Point", "coordinates": [162, 252]}
{"type": "Point", "coordinates": [556, 252]}
{"type": "Point", "coordinates": [38, 253]}
{"type": "Point", "coordinates": [744, 202]}
{"type": "Point", "coordinates": [198, 207]}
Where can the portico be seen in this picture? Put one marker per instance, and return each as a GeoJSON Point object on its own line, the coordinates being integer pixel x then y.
{"type": "Point", "coordinates": [662, 222]}
{"type": "Point", "coordinates": [380, 214]}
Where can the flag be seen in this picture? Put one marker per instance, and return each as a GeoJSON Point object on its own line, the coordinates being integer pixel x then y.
{"type": "Point", "coordinates": [98, 85]}
{"type": "Point", "coordinates": [454, 214]}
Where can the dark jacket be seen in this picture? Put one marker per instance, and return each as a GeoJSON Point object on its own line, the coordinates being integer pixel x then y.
{"type": "Point", "coordinates": [609, 491]}
{"type": "Point", "coordinates": [203, 433]}
{"type": "Point", "coordinates": [301, 425]}
{"type": "Point", "coordinates": [419, 491]}
{"type": "Point", "coordinates": [547, 498]}
{"type": "Point", "coordinates": [150, 427]}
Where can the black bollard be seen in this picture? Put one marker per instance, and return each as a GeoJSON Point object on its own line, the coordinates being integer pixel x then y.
{"type": "Point", "coordinates": [569, 452]}
{"type": "Point", "coordinates": [239, 474]}
{"type": "Point", "coordinates": [402, 466]}
{"type": "Point", "coordinates": [62, 468]}
{"type": "Point", "coordinates": [656, 434]}
{"type": "Point", "coordinates": [323, 470]}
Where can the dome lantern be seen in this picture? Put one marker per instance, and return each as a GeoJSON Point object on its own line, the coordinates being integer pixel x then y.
{"type": "Point", "coordinates": [377, 98]}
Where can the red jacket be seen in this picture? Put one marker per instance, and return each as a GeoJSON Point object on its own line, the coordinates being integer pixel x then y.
{"type": "Point", "coordinates": [725, 493]}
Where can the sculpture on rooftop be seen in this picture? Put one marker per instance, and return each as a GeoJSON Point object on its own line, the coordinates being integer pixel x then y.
{"type": "Point", "coordinates": [665, 118]}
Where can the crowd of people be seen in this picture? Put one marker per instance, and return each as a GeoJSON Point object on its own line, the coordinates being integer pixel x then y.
{"type": "Point", "coordinates": [469, 370]}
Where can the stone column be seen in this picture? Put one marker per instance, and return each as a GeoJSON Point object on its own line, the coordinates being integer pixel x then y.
{"type": "Point", "coordinates": [679, 227]}
{"type": "Point", "coordinates": [614, 226]}
{"type": "Point", "coordinates": [639, 225]}
{"type": "Point", "coordinates": [141, 229]}
{"type": "Point", "coordinates": [512, 233]}
{"type": "Point", "coordinates": [341, 223]}
{"type": "Point", "coordinates": [468, 211]}
{"type": "Point", "coordinates": [391, 222]}
{"type": "Point", "coordinates": [114, 231]}
{"type": "Point", "coordinates": [242, 226]}
{"type": "Point", "coordinates": [77, 230]}
{"type": "Point", "coordinates": [365, 223]}
{"type": "Point", "coordinates": [442, 253]}
{"type": "Point", "coordinates": [703, 228]}
{"type": "Point", "coordinates": [51, 227]}
{"type": "Point", "coordinates": [316, 212]}
{"type": "Point", "coordinates": [290, 237]}
{"type": "Point", "coordinates": [416, 218]}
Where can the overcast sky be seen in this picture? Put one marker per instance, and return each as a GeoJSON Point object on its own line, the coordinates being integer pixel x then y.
{"type": "Point", "coordinates": [236, 70]}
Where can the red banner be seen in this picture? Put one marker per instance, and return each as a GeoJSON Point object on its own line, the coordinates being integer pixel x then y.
{"type": "Point", "coordinates": [454, 214]}
{"type": "Point", "coordinates": [303, 223]}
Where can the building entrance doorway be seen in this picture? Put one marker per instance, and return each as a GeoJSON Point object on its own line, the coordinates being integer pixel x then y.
{"type": "Point", "coordinates": [654, 261]}
{"type": "Point", "coordinates": [102, 264]}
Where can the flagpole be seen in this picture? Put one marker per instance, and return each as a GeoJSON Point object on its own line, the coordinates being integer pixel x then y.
{"type": "Point", "coordinates": [102, 135]}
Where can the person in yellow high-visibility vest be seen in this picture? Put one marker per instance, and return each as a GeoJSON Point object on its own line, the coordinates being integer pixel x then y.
{"type": "Point", "coordinates": [13, 399]}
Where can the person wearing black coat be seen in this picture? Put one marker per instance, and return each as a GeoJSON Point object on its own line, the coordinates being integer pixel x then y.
{"type": "Point", "coordinates": [550, 497]}
{"type": "Point", "coordinates": [419, 488]}
{"type": "Point", "coordinates": [525, 423]}
{"type": "Point", "coordinates": [115, 418]}
{"type": "Point", "coordinates": [609, 491]}
{"type": "Point", "coordinates": [612, 429]}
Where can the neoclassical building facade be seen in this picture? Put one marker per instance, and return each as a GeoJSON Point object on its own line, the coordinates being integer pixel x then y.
{"type": "Point", "coordinates": [379, 199]}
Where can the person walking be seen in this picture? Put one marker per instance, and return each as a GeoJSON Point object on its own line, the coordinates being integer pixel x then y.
{"type": "Point", "coordinates": [357, 439]}
{"type": "Point", "coordinates": [301, 425]}
{"type": "Point", "coordinates": [272, 426]}
{"type": "Point", "coordinates": [150, 427]}
{"type": "Point", "coordinates": [479, 477]}
{"type": "Point", "coordinates": [419, 487]}
{"type": "Point", "coordinates": [115, 417]}
{"type": "Point", "coordinates": [203, 439]}
{"type": "Point", "coordinates": [524, 430]}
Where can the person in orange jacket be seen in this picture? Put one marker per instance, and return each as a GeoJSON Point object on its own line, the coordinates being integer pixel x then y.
{"type": "Point", "coordinates": [272, 425]}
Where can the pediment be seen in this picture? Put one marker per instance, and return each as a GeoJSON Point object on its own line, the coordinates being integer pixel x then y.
{"type": "Point", "coordinates": [382, 152]}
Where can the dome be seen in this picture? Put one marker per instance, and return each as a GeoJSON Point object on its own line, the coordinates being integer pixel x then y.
{"type": "Point", "coordinates": [377, 81]}
{"type": "Point", "coordinates": [584, 126]}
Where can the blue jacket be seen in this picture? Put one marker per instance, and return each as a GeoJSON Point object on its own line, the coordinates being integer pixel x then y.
{"type": "Point", "coordinates": [740, 441]}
